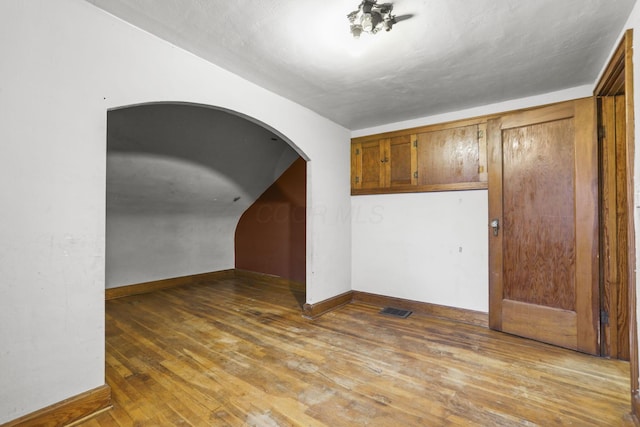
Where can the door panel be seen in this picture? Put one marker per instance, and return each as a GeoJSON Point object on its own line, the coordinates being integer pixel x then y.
{"type": "Point", "coordinates": [543, 254]}
{"type": "Point", "coordinates": [373, 159]}
{"type": "Point", "coordinates": [538, 212]}
{"type": "Point", "coordinates": [449, 155]}
{"type": "Point", "coordinates": [551, 325]}
{"type": "Point", "coordinates": [402, 161]}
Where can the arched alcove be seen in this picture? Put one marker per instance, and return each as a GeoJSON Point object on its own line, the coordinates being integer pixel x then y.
{"type": "Point", "coordinates": [179, 177]}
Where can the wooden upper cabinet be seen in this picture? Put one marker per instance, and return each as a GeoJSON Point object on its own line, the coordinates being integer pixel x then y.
{"type": "Point", "coordinates": [436, 158]}
{"type": "Point", "coordinates": [383, 163]}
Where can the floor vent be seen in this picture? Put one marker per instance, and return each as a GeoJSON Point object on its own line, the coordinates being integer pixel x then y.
{"type": "Point", "coordinates": [395, 312]}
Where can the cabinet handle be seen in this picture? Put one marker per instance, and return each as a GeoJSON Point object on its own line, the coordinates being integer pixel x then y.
{"type": "Point", "coordinates": [385, 160]}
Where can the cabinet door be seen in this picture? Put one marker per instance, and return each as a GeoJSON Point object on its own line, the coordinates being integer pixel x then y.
{"type": "Point", "coordinates": [402, 161]}
{"type": "Point", "coordinates": [368, 161]}
{"type": "Point", "coordinates": [449, 156]}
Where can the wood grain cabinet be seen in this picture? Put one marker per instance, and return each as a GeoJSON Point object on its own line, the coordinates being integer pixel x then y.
{"type": "Point", "coordinates": [384, 163]}
{"type": "Point", "coordinates": [434, 158]}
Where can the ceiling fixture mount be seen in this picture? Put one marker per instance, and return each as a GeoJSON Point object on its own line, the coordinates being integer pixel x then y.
{"type": "Point", "coordinates": [371, 18]}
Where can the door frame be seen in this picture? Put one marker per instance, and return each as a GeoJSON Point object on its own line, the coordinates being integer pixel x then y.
{"type": "Point", "coordinates": [617, 79]}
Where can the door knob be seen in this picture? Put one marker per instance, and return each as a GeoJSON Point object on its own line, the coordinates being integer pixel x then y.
{"type": "Point", "coordinates": [495, 224]}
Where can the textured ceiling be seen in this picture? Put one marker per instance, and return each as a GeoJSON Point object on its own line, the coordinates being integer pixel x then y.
{"type": "Point", "coordinates": [449, 55]}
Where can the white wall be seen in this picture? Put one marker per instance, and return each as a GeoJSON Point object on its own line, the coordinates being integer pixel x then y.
{"type": "Point", "coordinates": [430, 247]}
{"type": "Point", "coordinates": [63, 64]}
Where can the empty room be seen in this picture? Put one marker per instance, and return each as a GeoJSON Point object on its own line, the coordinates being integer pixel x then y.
{"type": "Point", "coordinates": [296, 213]}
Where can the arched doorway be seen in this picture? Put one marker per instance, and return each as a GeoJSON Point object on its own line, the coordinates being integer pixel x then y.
{"type": "Point", "coordinates": [179, 177]}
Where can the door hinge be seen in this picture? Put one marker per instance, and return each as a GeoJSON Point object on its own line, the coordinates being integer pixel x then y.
{"type": "Point", "coordinates": [604, 317]}
{"type": "Point", "coordinates": [602, 133]}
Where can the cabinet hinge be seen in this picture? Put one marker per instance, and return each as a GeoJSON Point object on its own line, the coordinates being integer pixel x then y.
{"type": "Point", "coordinates": [481, 134]}
{"type": "Point", "coordinates": [415, 174]}
{"type": "Point", "coordinates": [604, 317]}
{"type": "Point", "coordinates": [601, 132]}
{"type": "Point", "coordinates": [357, 151]}
{"type": "Point", "coordinates": [357, 180]}
{"type": "Point", "coordinates": [415, 143]}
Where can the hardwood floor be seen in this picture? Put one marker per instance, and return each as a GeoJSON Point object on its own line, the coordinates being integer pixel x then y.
{"type": "Point", "coordinates": [237, 352]}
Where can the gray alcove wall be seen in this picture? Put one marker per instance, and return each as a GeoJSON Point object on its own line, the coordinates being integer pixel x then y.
{"type": "Point", "coordinates": [179, 177]}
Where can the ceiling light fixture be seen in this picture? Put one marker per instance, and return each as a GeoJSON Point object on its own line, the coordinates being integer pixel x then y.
{"type": "Point", "coordinates": [371, 18]}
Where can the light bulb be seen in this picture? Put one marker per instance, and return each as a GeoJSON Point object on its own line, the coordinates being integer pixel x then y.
{"type": "Point", "coordinates": [356, 30]}
{"type": "Point", "coordinates": [367, 23]}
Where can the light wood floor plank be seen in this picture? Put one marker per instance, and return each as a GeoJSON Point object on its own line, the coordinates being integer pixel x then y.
{"type": "Point", "coordinates": [237, 352]}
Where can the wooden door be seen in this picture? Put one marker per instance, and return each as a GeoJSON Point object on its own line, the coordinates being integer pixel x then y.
{"type": "Point", "coordinates": [543, 249]}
